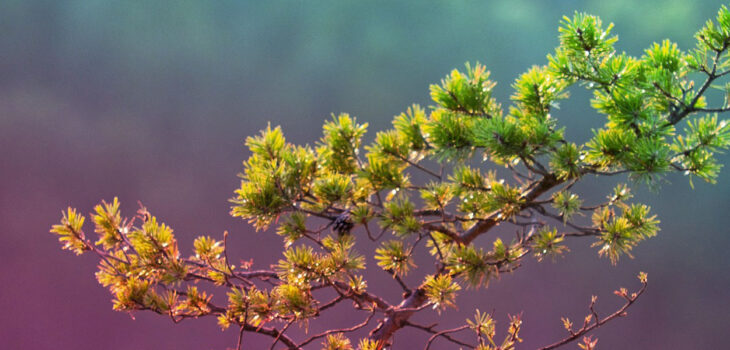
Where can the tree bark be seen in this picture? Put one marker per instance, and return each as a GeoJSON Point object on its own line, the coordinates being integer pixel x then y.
{"type": "Point", "coordinates": [397, 317]}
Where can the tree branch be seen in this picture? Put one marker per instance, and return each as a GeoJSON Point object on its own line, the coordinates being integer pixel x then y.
{"type": "Point", "coordinates": [587, 326]}
{"type": "Point", "coordinates": [339, 330]}
{"type": "Point", "coordinates": [446, 335]}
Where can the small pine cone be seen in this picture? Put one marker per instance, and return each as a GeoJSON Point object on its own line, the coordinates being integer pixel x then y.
{"type": "Point", "coordinates": [342, 223]}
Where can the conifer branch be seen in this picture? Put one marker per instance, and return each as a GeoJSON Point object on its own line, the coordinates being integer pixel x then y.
{"type": "Point", "coordinates": [592, 321]}
{"type": "Point", "coordinates": [316, 198]}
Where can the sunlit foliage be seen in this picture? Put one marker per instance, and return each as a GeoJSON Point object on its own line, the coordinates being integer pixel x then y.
{"type": "Point", "coordinates": [431, 183]}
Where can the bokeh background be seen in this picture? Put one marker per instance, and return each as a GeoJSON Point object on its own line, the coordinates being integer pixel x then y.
{"type": "Point", "coordinates": [152, 100]}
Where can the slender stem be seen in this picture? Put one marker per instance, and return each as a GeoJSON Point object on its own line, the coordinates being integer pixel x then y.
{"type": "Point", "coordinates": [240, 338]}
{"type": "Point", "coordinates": [430, 329]}
{"type": "Point", "coordinates": [630, 300]}
{"type": "Point", "coordinates": [338, 330]}
{"type": "Point", "coordinates": [281, 333]}
{"type": "Point", "coordinates": [442, 333]}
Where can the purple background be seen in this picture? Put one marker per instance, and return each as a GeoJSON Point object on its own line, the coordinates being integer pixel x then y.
{"type": "Point", "coordinates": [152, 103]}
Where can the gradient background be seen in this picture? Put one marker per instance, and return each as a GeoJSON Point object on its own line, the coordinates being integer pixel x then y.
{"type": "Point", "coordinates": [151, 101]}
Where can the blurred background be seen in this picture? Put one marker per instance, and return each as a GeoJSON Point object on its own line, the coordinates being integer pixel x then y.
{"type": "Point", "coordinates": [152, 101]}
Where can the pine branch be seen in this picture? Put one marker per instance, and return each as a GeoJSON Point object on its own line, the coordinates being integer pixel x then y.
{"type": "Point", "coordinates": [597, 322]}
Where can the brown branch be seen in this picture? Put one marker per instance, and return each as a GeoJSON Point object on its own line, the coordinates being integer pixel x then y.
{"type": "Point", "coordinates": [396, 317]}
{"type": "Point", "coordinates": [438, 228]}
{"type": "Point", "coordinates": [228, 264]}
{"type": "Point", "coordinates": [535, 190]}
{"type": "Point", "coordinates": [587, 326]}
{"type": "Point", "coordinates": [402, 284]}
{"type": "Point", "coordinates": [331, 303]}
{"type": "Point", "coordinates": [339, 330]}
{"type": "Point", "coordinates": [712, 75]}
{"type": "Point", "coordinates": [430, 329]}
{"type": "Point", "coordinates": [360, 297]}
{"type": "Point", "coordinates": [442, 333]}
{"type": "Point", "coordinates": [271, 332]}
{"type": "Point", "coordinates": [561, 219]}
{"type": "Point", "coordinates": [414, 164]}
{"type": "Point", "coordinates": [240, 339]}
{"type": "Point", "coordinates": [281, 333]}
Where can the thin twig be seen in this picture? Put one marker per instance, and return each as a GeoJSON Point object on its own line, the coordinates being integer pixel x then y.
{"type": "Point", "coordinates": [630, 300]}
{"type": "Point", "coordinates": [339, 330]}
{"type": "Point", "coordinates": [430, 329]}
{"type": "Point", "coordinates": [281, 333]}
{"type": "Point", "coordinates": [442, 333]}
{"type": "Point", "coordinates": [240, 338]}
